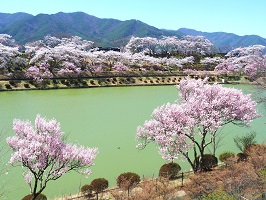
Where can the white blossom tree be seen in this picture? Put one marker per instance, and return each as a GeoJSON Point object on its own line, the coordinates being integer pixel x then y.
{"type": "Point", "coordinates": [250, 61]}
{"type": "Point", "coordinates": [194, 123]}
{"type": "Point", "coordinates": [44, 155]}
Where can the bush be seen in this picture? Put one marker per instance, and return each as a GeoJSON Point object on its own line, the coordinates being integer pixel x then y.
{"type": "Point", "coordinates": [32, 82]}
{"type": "Point", "coordinates": [225, 155]}
{"type": "Point", "coordinates": [13, 83]}
{"type": "Point", "coordinates": [39, 197]}
{"type": "Point", "coordinates": [218, 194]}
{"type": "Point", "coordinates": [243, 143]}
{"type": "Point", "coordinates": [207, 162]}
{"type": "Point", "coordinates": [241, 157]}
{"type": "Point", "coordinates": [99, 184]}
{"type": "Point", "coordinates": [169, 170]}
{"type": "Point", "coordinates": [8, 86]}
{"type": "Point", "coordinates": [86, 189]}
{"type": "Point", "coordinates": [128, 179]}
{"type": "Point", "coordinates": [26, 85]}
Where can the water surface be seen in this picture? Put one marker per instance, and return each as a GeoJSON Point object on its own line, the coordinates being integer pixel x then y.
{"type": "Point", "coordinates": [105, 118]}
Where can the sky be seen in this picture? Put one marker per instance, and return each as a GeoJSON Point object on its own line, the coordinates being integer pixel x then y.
{"type": "Point", "coordinates": [241, 17]}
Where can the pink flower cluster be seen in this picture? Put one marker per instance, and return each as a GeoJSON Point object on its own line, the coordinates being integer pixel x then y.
{"type": "Point", "coordinates": [39, 73]}
{"type": "Point", "coordinates": [248, 60]}
{"type": "Point", "coordinates": [203, 109]}
{"type": "Point", "coordinates": [42, 151]}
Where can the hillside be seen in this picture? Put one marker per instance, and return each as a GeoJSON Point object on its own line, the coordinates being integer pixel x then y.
{"type": "Point", "coordinates": [24, 28]}
{"type": "Point", "coordinates": [106, 32]}
{"type": "Point", "coordinates": [226, 41]}
{"type": "Point", "coordinates": [8, 19]}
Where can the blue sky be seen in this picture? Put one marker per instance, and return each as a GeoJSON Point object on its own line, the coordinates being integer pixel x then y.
{"type": "Point", "coordinates": [242, 17]}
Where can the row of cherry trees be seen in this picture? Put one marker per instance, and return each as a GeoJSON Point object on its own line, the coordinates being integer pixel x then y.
{"type": "Point", "coordinates": [72, 57]}
{"type": "Point", "coordinates": [188, 45]}
{"type": "Point", "coordinates": [250, 61]}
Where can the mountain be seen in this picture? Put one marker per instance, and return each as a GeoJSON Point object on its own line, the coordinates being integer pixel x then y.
{"type": "Point", "coordinates": [226, 41]}
{"type": "Point", "coordinates": [24, 28]}
{"type": "Point", "coordinates": [8, 19]}
{"type": "Point", "coordinates": [105, 32]}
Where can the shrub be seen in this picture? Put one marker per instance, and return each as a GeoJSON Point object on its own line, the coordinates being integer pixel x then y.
{"type": "Point", "coordinates": [39, 197]}
{"type": "Point", "coordinates": [238, 179]}
{"type": "Point", "coordinates": [8, 86]}
{"type": "Point", "coordinates": [13, 83]}
{"type": "Point", "coordinates": [262, 173]}
{"type": "Point", "coordinates": [26, 85]}
{"type": "Point", "coordinates": [241, 157]}
{"type": "Point", "coordinates": [169, 170]}
{"type": "Point", "coordinates": [243, 143]}
{"type": "Point", "coordinates": [98, 185]}
{"type": "Point", "coordinates": [225, 155]}
{"type": "Point", "coordinates": [207, 162]}
{"type": "Point", "coordinates": [32, 82]}
{"type": "Point", "coordinates": [86, 189]}
{"type": "Point", "coordinates": [218, 194]}
{"type": "Point", "coordinates": [76, 82]}
{"type": "Point", "coordinates": [67, 83]}
{"type": "Point", "coordinates": [127, 180]}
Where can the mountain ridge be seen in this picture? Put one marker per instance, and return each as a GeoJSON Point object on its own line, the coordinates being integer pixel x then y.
{"type": "Point", "coordinates": [24, 27]}
{"type": "Point", "coordinates": [226, 40]}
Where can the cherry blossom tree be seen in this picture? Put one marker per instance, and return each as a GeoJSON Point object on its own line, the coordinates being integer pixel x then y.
{"type": "Point", "coordinates": [250, 61]}
{"type": "Point", "coordinates": [168, 45]}
{"type": "Point", "coordinates": [10, 56]}
{"type": "Point", "coordinates": [146, 44]}
{"type": "Point", "coordinates": [44, 155]}
{"type": "Point", "coordinates": [69, 70]}
{"type": "Point", "coordinates": [120, 68]}
{"type": "Point", "coordinates": [211, 63]}
{"type": "Point", "coordinates": [197, 45]}
{"type": "Point", "coordinates": [39, 73]}
{"type": "Point", "coordinates": [187, 45]}
{"type": "Point", "coordinates": [194, 122]}
{"type": "Point", "coordinates": [7, 40]}
{"type": "Point", "coordinates": [57, 52]}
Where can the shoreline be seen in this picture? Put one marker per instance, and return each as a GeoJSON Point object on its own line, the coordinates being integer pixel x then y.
{"type": "Point", "coordinates": [94, 82]}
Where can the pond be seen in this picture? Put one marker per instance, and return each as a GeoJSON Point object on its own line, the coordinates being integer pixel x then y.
{"type": "Point", "coordinates": [106, 118]}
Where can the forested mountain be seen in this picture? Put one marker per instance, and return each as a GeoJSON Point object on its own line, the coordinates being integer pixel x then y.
{"type": "Point", "coordinates": [226, 41]}
{"type": "Point", "coordinates": [106, 32]}
{"type": "Point", "coordinates": [8, 19]}
{"type": "Point", "coordinates": [24, 28]}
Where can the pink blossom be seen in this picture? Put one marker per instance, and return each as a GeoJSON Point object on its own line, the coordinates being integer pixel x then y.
{"type": "Point", "coordinates": [43, 153]}
{"type": "Point", "coordinates": [248, 60]}
{"type": "Point", "coordinates": [39, 73]}
{"type": "Point", "coordinates": [203, 109]}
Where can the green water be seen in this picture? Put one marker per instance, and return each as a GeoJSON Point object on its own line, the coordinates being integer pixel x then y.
{"type": "Point", "coordinates": [100, 117]}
